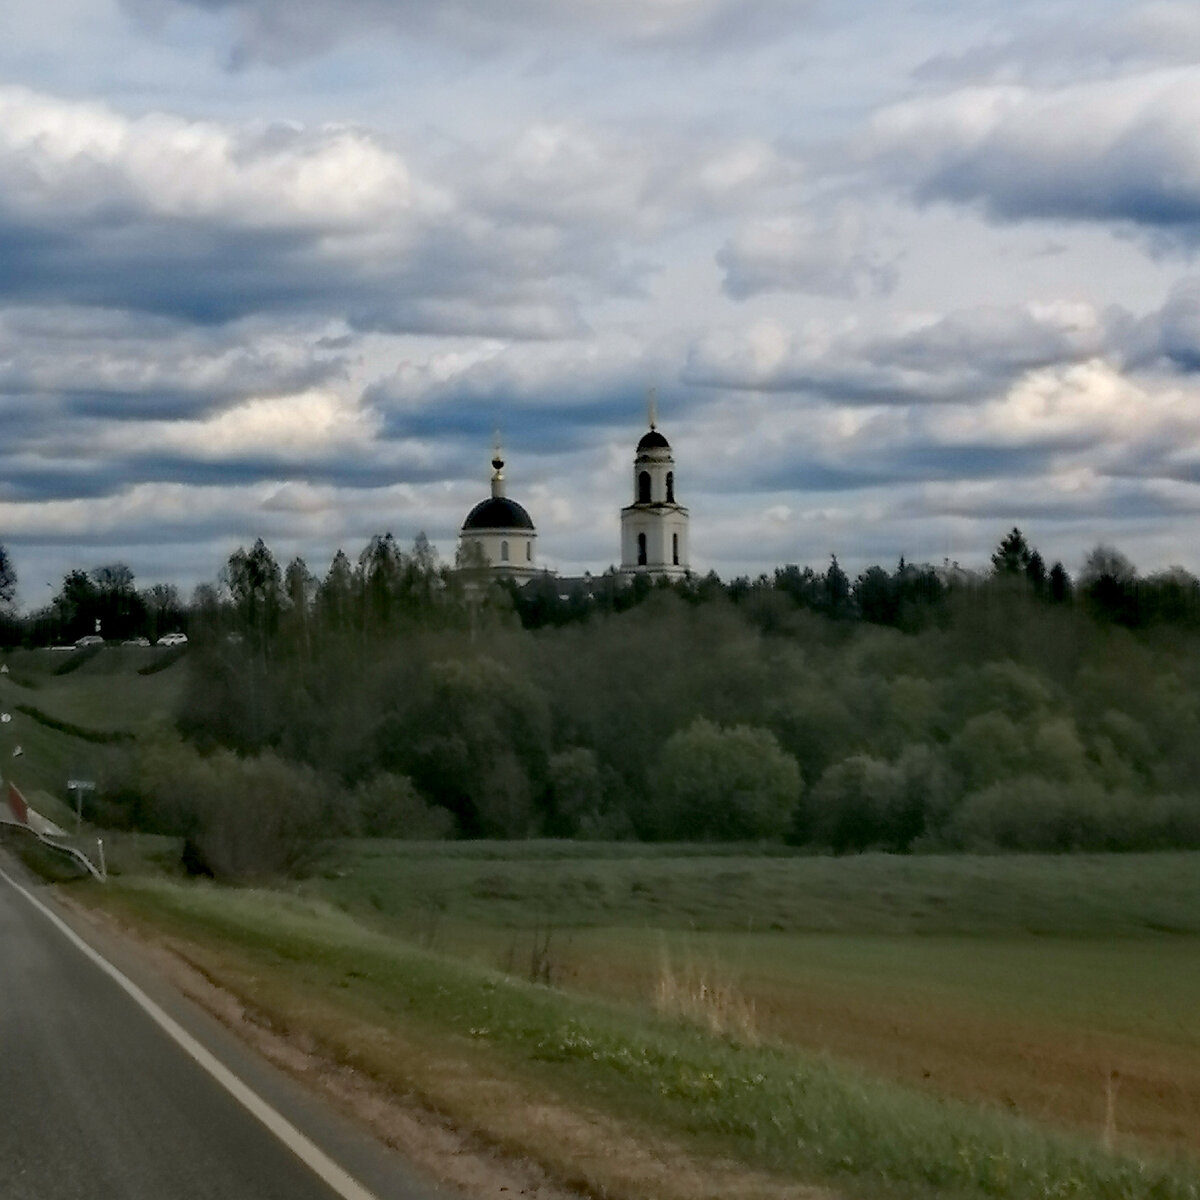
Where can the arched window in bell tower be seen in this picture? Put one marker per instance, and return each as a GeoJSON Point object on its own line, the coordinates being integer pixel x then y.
{"type": "Point", "coordinates": [641, 562]}
{"type": "Point", "coordinates": [644, 488]}
{"type": "Point", "coordinates": [504, 552]}
{"type": "Point", "coordinates": [670, 487]}
{"type": "Point", "coordinates": [675, 548]}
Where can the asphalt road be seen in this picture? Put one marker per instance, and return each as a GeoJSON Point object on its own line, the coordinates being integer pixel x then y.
{"type": "Point", "coordinates": [98, 1101]}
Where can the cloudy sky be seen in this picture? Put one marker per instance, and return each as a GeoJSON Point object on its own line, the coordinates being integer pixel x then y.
{"type": "Point", "coordinates": [903, 275]}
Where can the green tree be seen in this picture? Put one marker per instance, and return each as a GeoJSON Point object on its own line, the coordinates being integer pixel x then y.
{"type": "Point", "coordinates": [576, 790]}
{"type": "Point", "coordinates": [1059, 584]}
{"type": "Point", "coordinates": [854, 805]}
{"type": "Point", "coordinates": [475, 740]}
{"type": "Point", "coordinates": [119, 607]}
{"type": "Point", "coordinates": [1035, 572]}
{"type": "Point", "coordinates": [1012, 556]}
{"type": "Point", "coordinates": [8, 580]}
{"type": "Point", "coordinates": [300, 589]}
{"type": "Point", "coordinates": [422, 581]}
{"type": "Point", "coordinates": [381, 567]}
{"type": "Point", "coordinates": [875, 597]}
{"type": "Point", "coordinates": [1109, 581]}
{"type": "Point", "coordinates": [164, 609]}
{"type": "Point", "coordinates": [390, 806]}
{"type": "Point", "coordinates": [725, 784]}
{"type": "Point", "coordinates": [337, 596]}
{"type": "Point", "coordinates": [988, 748]}
{"type": "Point", "coordinates": [837, 589]}
{"type": "Point", "coordinates": [77, 605]}
{"type": "Point", "coordinates": [255, 587]}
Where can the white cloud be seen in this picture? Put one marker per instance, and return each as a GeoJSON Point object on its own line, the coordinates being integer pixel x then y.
{"type": "Point", "coordinates": [74, 158]}
{"type": "Point", "coordinates": [312, 424]}
{"type": "Point", "coordinates": [833, 256]}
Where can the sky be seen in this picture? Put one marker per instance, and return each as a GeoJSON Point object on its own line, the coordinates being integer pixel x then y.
{"type": "Point", "coordinates": [902, 275]}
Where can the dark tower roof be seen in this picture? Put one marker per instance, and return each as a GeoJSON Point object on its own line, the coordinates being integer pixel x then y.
{"type": "Point", "coordinates": [653, 441]}
{"type": "Point", "coordinates": [498, 512]}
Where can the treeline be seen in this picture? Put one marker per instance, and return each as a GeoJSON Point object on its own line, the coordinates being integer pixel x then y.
{"type": "Point", "coordinates": [104, 599]}
{"type": "Point", "coordinates": [906, 710]}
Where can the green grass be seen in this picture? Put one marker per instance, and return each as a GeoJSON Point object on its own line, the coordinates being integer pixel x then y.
{"type": "Point", "coordinates": [757, 889]}
{"type": "Point", "coordinates": [107, 693]}
{"type": "Point", "coordinates": [104, 696]}
{"type": "Point", "coordinates": [1018, 981]}
{"type": "Point", "coordinates": [773, 1108]}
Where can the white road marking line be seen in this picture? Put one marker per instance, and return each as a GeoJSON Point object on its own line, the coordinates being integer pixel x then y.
{"type": "Point", "coordinates": [315, 1159]}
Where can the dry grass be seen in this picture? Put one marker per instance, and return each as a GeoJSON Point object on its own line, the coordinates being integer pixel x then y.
{"type": "Point", "coordinates": [702, 995]}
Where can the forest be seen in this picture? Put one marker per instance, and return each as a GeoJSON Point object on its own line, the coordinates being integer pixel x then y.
{"type": "Point", "coordinates": [906, 710]}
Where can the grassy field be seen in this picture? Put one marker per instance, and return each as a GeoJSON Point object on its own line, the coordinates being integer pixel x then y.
{"type": "Point", "coordinates": [589, 1085]}
{"type": "Point", "coordinates": [105, 695]}
{"type": "Point", "coordinates": [720, 1021]}
{"type": "Point", "coordinates": [1019, 982]}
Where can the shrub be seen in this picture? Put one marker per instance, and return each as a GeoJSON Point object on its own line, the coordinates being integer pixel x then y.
{"type": "Point", "coordinates": [241, 818]}
{"type": "Point", "coordinates": [1031, 813]}
{"type": "Point", "coordinates": [851, 806]}
{"type": "Point", "coordinates": [390, 806]}
{"type": "Point", "coordinates": [725, 784]}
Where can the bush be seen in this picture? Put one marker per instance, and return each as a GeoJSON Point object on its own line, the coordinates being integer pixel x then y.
{"type": "Point", "coordinates": [241, 818]}
{"type": "Point", "coordinates": [851, 806]}
{"type": "Point", "coordinates": [724, 784]}
{"type": "Point", "coordinates": [576, 790]}
{"type": "Point", "coordinates": [1030, 813]}
{"type": "Point", "coordinates": [390, 806]}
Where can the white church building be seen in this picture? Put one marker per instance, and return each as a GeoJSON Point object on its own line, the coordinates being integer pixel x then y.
{"type": "Point", "coordinates": [654, 527]}
{"type": "Point", "coordinates": [500, 533]}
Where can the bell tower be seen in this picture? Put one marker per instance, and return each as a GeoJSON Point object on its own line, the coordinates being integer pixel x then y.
{"type": "Point", "coordinates": [654, 527]}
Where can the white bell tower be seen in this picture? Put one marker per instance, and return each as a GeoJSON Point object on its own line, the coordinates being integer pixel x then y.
{"type": "Point", "coordinates": [654, 527]}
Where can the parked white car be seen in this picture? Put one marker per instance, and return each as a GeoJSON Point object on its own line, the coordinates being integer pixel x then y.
{"type": "Point", "coordinates": [89, 639]}
{"type": "Point", "coordinates": [173, 639]}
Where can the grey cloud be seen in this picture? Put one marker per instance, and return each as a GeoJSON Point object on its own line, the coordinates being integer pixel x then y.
{"type": "Point", "coordinates": [1178, 326]}
{"type": "Point", "coordinates": [963, 356]}
{"type": "Point", "coordinates": [871, 461]}
{"type": "Point", "coordinates": [62, 362]}
{"type": "Point", "coordinates": [1116, 505]}
{"type": "Point", "coordinates": [535, 411]}
{"type": "Point", "coordinates": [1121, 152]}
{"type": "Point", "coordinates": [832, 256]}
{"type": "Point", "coordinates": [23, 481]}
{"type": "Point", "coordinates": [213, 275]}
{"type": "Point", "coordinates": [319, 223]}
{"type": "Point", "coordinates": [283, 31]}
{"type": "Point", "coordinates": [1051, 49]}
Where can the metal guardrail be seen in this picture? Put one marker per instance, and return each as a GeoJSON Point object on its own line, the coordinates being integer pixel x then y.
{"type": "Point", "coordinates": [18, 814]}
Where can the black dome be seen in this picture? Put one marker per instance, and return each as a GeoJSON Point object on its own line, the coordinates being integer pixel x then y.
{"type": "Point", "coordinates": [498, 513]}
{"type": "Point", "coordinates": [653, 441]}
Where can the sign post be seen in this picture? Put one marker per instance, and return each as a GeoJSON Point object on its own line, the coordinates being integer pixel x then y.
{"type": "Point", "coordinates": [79, 786]}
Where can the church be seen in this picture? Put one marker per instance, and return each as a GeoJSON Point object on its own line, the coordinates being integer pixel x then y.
{"type": "Point", "coordinates": [500, 533]}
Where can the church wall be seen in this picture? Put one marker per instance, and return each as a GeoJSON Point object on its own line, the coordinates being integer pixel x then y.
{"type": "Point", "coordinates": [522, 554]}
{"type": "Point", "coordinates": [658, 524]}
